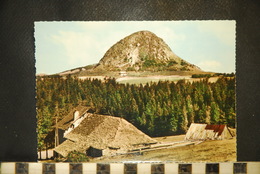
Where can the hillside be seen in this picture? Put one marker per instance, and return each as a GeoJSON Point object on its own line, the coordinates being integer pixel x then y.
{"type": "Point", "coordinates": [143, 50]}
{"type": "Point", "coordinates": [139, 53]}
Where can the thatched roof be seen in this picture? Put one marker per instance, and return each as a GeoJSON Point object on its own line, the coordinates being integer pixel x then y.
{"type": "Point", "coordinates": [66, 121]}
{"type": "Point", "coordinates": [101, 132]}
{"type": "Point", "coordinates": [203, 131]}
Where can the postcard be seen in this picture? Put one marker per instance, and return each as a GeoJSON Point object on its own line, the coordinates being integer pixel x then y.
{"type": "Point", "coordinates": [157, 91]}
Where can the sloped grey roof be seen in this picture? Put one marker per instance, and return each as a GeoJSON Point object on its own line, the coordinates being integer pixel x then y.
{"type": "Point", "coordinates": [66, 121]}
{"type": "Point", "coordinates": [101, 132]}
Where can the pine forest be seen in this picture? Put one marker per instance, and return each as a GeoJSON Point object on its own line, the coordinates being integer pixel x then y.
{"type": "Point", "coordinates": [158, 109]}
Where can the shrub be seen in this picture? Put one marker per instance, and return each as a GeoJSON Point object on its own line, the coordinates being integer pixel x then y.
{"type": "Point", "coordinates": [172, 62]}
{"type": "Point", "coordinates": [76, 156]}
{"type": "Point", "coordinates": [201, 75]}
{"type": "Point", "coordinates": [183, 63]}
{"type": "Point", "coordinates": [130, 69]}
{"type": "Point", "coordinates": [149, 63]}
{"type": "Point", "coordinates": [184, 69]}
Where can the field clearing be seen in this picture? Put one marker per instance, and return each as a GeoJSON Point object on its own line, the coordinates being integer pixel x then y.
{"type": "Point", "coordinates": [208, 151]}
{"type": "Point", "coordinates": [211, 79]}
{"type": "Point", "coordinates": [91, 77]}
{"type": "Point", "coordinates": [148, 79]}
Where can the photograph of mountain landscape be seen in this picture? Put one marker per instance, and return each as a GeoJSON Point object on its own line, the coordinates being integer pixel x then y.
{"type": "Point", "coordinates": [136, 91]}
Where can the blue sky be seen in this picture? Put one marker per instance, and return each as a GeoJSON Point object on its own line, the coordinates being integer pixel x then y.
{"type": "Point", "coordinates": [62, 46]}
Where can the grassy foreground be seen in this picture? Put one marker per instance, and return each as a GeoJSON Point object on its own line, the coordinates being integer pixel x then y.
{"type": "Point", "coordinates": [208, 151]}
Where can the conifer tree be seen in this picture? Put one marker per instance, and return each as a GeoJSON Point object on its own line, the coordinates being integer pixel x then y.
{"type": "Point", "coordinates": [156, 108]}
{"type": "Point", "coordinates": [215, 113]}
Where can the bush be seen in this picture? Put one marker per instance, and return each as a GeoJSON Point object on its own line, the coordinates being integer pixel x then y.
{"type": "Point", "coordinates": [183, 63]}
{"type": "Point", "coordinates": [130, 69]}
{"type": "Point", "coordinates": [149, 62]}
{"type": "Point", "coordinates": [201, 75]}
{"type": "Point", "coordinates": [76, 156]}
{"type": "Point", "coordinates": [184, 69]}
{"type": "Point", "coordinates": [225, 74]}
{"type": "Point", "coordinates": [172, 62]}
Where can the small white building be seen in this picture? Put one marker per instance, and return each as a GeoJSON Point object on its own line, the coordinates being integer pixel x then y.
{"type": "Point", "coordinates": [123, 73]}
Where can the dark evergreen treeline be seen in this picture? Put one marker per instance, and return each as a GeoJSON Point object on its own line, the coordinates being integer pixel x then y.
{"type": "Point", "coordinates": [158, 109]}
{"type": "Point", "coordinates": [213, 75]}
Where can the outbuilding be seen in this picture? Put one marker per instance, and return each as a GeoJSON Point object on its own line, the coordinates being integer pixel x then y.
{"type": "Point", "coordinates": [199, 131]}
{"type": "Point", "coordinates": [123, 73]}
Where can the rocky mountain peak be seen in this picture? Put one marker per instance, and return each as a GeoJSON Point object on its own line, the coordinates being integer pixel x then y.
{"type": "Point", "coordinates": [142, 50]}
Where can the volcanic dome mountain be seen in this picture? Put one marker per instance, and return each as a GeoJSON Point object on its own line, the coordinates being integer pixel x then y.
{"type": "Point", "coordinates": [142, 50]}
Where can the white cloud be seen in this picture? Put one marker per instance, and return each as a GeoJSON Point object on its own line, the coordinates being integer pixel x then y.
{"type": "Point", "coordinates": [80, 48]}
{"type": "Point", "coordinates": [223, 30]}
{"type": "Point", "coordinates": [169, 36]}
{"type": "Point", "coordinates": [84, 43]}
{"type": "Point", "coordinates": [115, 31]}
{"type": "Point", "coordinates": [89, 44]}
{"type": "Point", "coordinates": [209, 65]}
